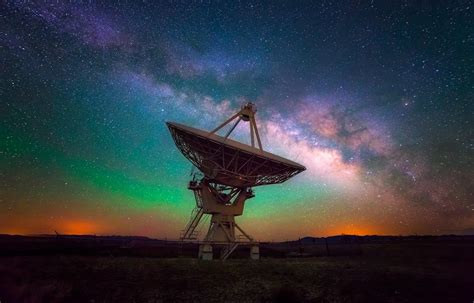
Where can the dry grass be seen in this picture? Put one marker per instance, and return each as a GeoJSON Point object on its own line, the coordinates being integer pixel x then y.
{"type": "Point", "coordinates": [371, 277]}
{"type": "Point", "coordinates": [382, 273]}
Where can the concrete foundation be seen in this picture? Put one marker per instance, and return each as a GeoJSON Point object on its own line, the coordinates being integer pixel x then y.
{"type": "Point", "coordinates": [205, 252]}
{"type": "Point", "coordinates": [254, 253]}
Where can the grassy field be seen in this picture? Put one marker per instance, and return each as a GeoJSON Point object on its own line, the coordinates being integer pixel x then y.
{"type": "Point", "coordinates": [383, 274]}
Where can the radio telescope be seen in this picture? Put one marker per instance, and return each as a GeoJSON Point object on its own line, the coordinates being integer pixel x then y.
{"type": "Point", "coordinates": [229, 171]}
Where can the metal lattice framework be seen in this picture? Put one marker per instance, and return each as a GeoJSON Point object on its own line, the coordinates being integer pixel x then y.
{"type": "Point", "coordinates": [225, 163]}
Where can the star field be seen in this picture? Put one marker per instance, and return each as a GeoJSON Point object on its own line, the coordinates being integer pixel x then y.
{"type": "Point", "coordinates": [374, 98]}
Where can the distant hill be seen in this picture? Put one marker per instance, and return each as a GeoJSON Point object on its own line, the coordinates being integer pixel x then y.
{"type": "Point", "coordinates": [342, 239]}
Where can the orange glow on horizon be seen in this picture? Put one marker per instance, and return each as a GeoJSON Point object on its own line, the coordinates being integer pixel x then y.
{"type": "Point", "coordinates": [70, 227]}
{"type": "Point", "coordinates": [355, 229]}
{"type": "Point", "coordinates": [12, 232]}
{"type": "Point", "coordinates": [79, 227]}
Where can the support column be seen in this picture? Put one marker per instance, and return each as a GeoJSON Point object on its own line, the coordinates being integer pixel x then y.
{"type": "Point", "coordinates": [222, 229]}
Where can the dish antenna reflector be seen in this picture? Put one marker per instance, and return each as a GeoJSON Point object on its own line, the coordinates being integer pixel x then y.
{"type": "Point", "coordinates": [230, 170]}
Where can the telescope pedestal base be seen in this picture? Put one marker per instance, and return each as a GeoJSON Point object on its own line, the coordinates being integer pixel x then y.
{"type": "Point", "coordinates": [223, 204]}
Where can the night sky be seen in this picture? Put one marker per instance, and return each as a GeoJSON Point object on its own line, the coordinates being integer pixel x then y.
{"type": "Point", "coordinates": [375, 98]}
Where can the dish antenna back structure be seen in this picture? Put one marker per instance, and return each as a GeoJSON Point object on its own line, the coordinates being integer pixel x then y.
{"type": "Point", "coordinates": [229, 171]}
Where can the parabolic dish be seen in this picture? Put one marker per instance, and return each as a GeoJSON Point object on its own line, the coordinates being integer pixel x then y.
{"type": "Point", "coordinates": [226, 161]}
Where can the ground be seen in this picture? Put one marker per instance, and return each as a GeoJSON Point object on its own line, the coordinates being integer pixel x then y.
{"type": "Point", "coordinates": [389, 274]}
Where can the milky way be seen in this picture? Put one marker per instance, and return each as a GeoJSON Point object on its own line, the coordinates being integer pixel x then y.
{"type": "Point", "coordinates": [374, 98]}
